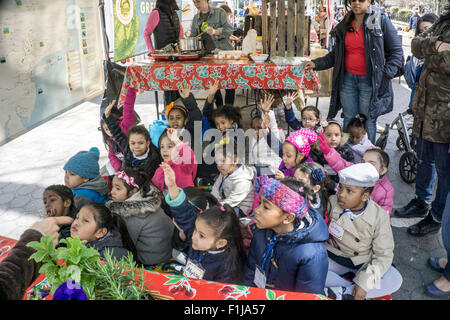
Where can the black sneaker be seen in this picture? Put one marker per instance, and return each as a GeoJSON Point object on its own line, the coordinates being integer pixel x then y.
{"type": "Point", "coordinates": [424, 227]}
{"type": "Point", "coordinates": [416, 208]}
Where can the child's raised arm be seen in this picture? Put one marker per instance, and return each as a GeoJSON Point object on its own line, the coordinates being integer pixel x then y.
{"type": "Point", "coordinates": [194, 113]}
{"type": "Point", "coordinates": [289, 112]}
{"type": "Point", "coordinates": [114, 127]}
{"type": "Point", "coordinates": [129, 116]}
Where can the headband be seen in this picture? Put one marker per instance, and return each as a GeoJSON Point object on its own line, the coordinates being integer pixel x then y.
{"type": "Point", "coordinates": [316, 173]}
{"type": "Point", "coordinates": [128, 180]}
{"type": "Point", "coordinates": [281, 195]}
{"type": "Point", "coordinates": [172, 106]}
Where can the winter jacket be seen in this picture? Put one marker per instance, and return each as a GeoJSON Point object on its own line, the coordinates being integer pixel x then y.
{"type": "Point", "coordinates": [213, 262]}
{"type": "Point", "coordinates": [64, 230]}
{"type": "Point", "coordinates": [17, 273]}
{"type": "Point", "coordinates": [235, 189]}
{"type": "Point", "coordinates": [165, 27]}
{"type": "Point", "coordinates": [383, 191]}
{"type": "Point", "coordinates": [112, 241]}
{"type": "Point", "coordinates": [149, 163]}
{"type": "Point", "coordinates": [360, 148]}
{"type": "Point", "coordinates": [218, 20]}
{"type": "Point", "coordinates": [194, 116]}
{"type": "Point", "coordinates": [184, 166]}
{"type": "Point", "coordinates": [95, 190]}
{"type": "Point", "coordinates": [366, 240]}
{"type": "Point", "coordinates": [149, 227]}
{"type": "Point", "coordinates": [413, 21]}
{"type": "Point", "coordinates": [432, 93]}
{"type": "Point", "coordinates": [384, 59]}
{"type": "Point", "coordinates": [115, 152]}
{"type": "Point", "coordinates": [298, 261]}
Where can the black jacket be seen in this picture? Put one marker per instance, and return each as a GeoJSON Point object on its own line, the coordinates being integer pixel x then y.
{"type": "Point", "coordinates": [384, 61]}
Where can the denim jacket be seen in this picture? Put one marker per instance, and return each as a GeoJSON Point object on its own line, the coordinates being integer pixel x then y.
{"type": "Point", "coordinates": [384, 60]}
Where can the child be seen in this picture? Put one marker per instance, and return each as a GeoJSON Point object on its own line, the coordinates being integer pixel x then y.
{"type": "Point", "coordinates": [261, 155]}
{"type": "Point", "coordinates": [179, 156]}
{"type": "Point", "coordinates": [138, 202]}
{"type": "Point", "coordinates": [358, 139]}
{"type": "Point", "coordinates": [295, 151]}
{"type": "Point", "coordinates": [103, 230]}
{"type": "Point", "coordinates": [234, 185]}
{"type": "Point", "coordinates": [383, 192]}
{"type": "Point", "coordinates": [115, 151]}
{"type": "Point", "coordinates": [83, 177]}
{"type": "Point", "coordinates": [139, 151]}
{"type": "Point", "coordinates": [361, 239]}
{"type": "Point", "coordinates": [58, 201]}
{"type": "Point", "coordinates": [287, 251]}
{"type": "Point", "coordinates": [216, 252]}
{"type": "Point", "coordinates": [310, 116]}
{"type": "Point", "coordinates": [314, 175]}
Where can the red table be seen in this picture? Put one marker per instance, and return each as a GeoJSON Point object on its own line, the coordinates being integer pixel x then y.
{"type": "Point", "coordinates": [160, 75]}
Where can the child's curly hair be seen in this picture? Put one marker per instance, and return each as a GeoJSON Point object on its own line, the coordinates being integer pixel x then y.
{"type": "Point", "coordinates": [229, 112]}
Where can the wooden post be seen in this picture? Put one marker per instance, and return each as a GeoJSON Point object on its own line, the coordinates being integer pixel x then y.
{"type": "Point", "coordinates": [281, 29]}
{"type": "Point", "coordinates": [291, 29]}
{"type": "Point", "coordinates": [300, 27]}
{"type": "Point", "coordinates": [273, 28]}
{"type": "Point", "coordinates": [265, 27]}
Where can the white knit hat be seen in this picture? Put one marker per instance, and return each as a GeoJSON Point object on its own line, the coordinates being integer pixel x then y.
{"type": "Point", "coordinates": [359, 175]}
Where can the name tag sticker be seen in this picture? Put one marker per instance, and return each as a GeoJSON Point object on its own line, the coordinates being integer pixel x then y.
{"type": "Point", "coordinates": [193, 270]}
{"type": "Point", "coordinates": [260, 278]}
{"type": "Point", "coordinates": [336, 230]}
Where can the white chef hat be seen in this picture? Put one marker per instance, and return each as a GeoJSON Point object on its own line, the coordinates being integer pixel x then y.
{"type": "Point", "coordinates": [359, 175]}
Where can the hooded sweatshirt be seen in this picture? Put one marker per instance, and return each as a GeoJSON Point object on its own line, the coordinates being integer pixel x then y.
{"type": "Point", "coordinates": [95, 190]}
{"type": "Point", "coordinates": [112, 242]}
{"type": "Point", "coordinates": [149, 227]}
{"type": "Point", "coordinates": [298, 261]}
{"type": "Point", "coordinates": [235, 189]}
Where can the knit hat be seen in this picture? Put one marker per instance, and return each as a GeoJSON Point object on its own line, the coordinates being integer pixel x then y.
{"type": "Point", "coordinates": [156, 129]}
{"type": "Point", "coordinates": [359, 175]}
{"type": "Point", "coordinates": [281, 195]}
{"type": "Point", "coordinates": [85, 163]}
{"type": "Point", "coordinates": [302, 139]}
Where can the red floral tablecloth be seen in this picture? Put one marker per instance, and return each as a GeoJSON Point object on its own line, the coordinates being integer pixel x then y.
{"type": "Point", "coordinates": [157, 75]}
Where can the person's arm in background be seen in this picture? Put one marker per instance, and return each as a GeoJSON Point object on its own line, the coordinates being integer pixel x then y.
{"type": "Point", "coordinates": [17, 273]}
{"type": "Point", "coordinates": [393, 51]}
{"type": "Point", "coordinates": [152, 22]}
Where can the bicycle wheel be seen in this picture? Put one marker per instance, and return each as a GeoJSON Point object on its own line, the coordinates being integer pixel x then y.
{"type": "Point", "coordinates": [408, 167]}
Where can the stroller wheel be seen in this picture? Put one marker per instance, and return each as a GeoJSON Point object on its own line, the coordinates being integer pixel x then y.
{"type": "Point", "coordinates": [399, 143]}
{"type": "Point", "coordinates": [408, 167]}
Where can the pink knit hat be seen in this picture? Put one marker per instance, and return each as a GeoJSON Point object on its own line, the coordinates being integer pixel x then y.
{"type": "Point", "coordinates": [302, 139]}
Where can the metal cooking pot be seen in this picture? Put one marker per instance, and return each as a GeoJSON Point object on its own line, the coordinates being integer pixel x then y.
{"type": "Point", "coordinates": [191, 44]}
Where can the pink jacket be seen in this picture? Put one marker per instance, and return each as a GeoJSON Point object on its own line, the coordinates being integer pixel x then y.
{"type": "Point", "coordinates": [383, 191]}
{"type": "Point", "coordinates": [151, 24]}
{"type": "Point", "coordinates": [128, 120]}
{"type": "Point", "coordinates": [185, 167]}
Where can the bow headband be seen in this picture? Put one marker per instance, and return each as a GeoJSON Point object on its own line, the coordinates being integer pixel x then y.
{"type": "Point", "coordinates": [171, 106]}
{"type": "Point", "coordinates": [128, 180]}
{"type": "Point", "coordinates": [316, 173]}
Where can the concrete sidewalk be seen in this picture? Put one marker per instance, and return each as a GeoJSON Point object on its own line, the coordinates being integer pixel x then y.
{"type": "Point", "coordinates": [35, 160]}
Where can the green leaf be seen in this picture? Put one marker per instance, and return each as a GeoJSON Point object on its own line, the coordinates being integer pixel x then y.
{"type": "Point", "coordinates": [38, 256]}
{"type": "Point", "coordinates": [48, 268]}
{"type": "Point", "coordinates": [281, 297]}
{"type": "Point", "coordinates": [74, 273]}
{"type": "Point", "coordinates": [270, 295]}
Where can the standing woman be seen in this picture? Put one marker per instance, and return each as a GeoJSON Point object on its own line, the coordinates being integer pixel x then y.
{"type": "Point", "coordinates": [166, 28]}
{"type": "Point", "coordinates": [217, 31]}
{"type": "Point", "coordinates": [366, 57]}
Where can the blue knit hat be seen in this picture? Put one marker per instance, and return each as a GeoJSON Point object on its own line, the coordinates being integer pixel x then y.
{"type": "Point", "coordinates": [85, 164]}
{"type": "Point", "coordinates": [156, 129]}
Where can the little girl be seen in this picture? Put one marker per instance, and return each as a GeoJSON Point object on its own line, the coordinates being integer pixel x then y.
{"type": "Point", "coordinates": [115, 151]}
{"type": "Point", "coordinates": [358, 139]}
{"type": "Point", "coordinates": [234, 185]}
{"type": "Point", "coordinates": [314, 175]}
{"type": "Point", "coordinates": [216, 252]}
{"type": "Point", "coordinates": [361, 240]}
{"type": "Point", "coordinates": [310, 115]}
{"type": "Point", "coordinates": [383, 192]}
{"type": "Point", "coordinates": [138, 202]}
{"type": "Point", "coordinates": [139, 151]}
{"type": "Point", "coordinates": [179, 156]}
{"type": "Point", "coordinates": [287, 251]}
{"type": "Point", "coordinates": [58, 201]}
{"type": "Point", "coordinates": [103, 230]}
{"type": "Point", "coordinates": [295, 151]}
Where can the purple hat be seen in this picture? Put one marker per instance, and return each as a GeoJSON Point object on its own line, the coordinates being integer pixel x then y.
{"type": "Point", "coordinates": [302, 139]}
{"type": "Point", "coordinates": [281, 195]}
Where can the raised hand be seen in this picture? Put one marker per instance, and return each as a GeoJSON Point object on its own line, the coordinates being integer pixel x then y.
{"type": "Point", "coordinates": [181, 232]}
{"type": "Point", "coordinates": [267, 102]}
{"type": "Point", "coordinates": [291, 98]}
{"type": "Point", "coordinates": [324, 147]}
{"type": "Point", "coordinates": [212, 91]}
{"type": "Point", "coordinates": [172, 134]}
{"type": "Point", "coordinates": [109, 108]}
{"type": "Point", "coordinates": [169, 175]}
{"type": "Point", "coordinates": [184, 90]}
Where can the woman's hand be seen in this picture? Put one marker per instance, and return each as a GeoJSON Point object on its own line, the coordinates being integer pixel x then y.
{"type": "Point", "coordinates": [359, 293]}
{"type": "Point", "coordinates": [212, 91]}
{"type": "Point", "coordinates": [184, 90]}
{"type": "Point", "coordinates": [211, 31]}
{"type": "Point", "coordinates": [308, 65]}
{"type": "Point", "coordinates": [267, 102]}
{"type": "Point", "coordinates": [109, 108]}
{"type": "Point", "coordinates": [290, 99]}
{"type": "Point", "coordinates": [279, 175]}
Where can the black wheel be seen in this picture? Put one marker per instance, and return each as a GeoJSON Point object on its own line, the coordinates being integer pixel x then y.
{"type": "Point", "coordinates": [408, 167]}
{"type": "Point", "coordinates": [381, 141]}
{"type": "Point", "coordinates": [399, 143]}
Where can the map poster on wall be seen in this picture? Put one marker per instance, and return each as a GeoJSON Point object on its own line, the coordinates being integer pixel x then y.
{"type": "Point", "coordinates": [130, 18]}
{"type": "Point", "coordinates": [51, 60]}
